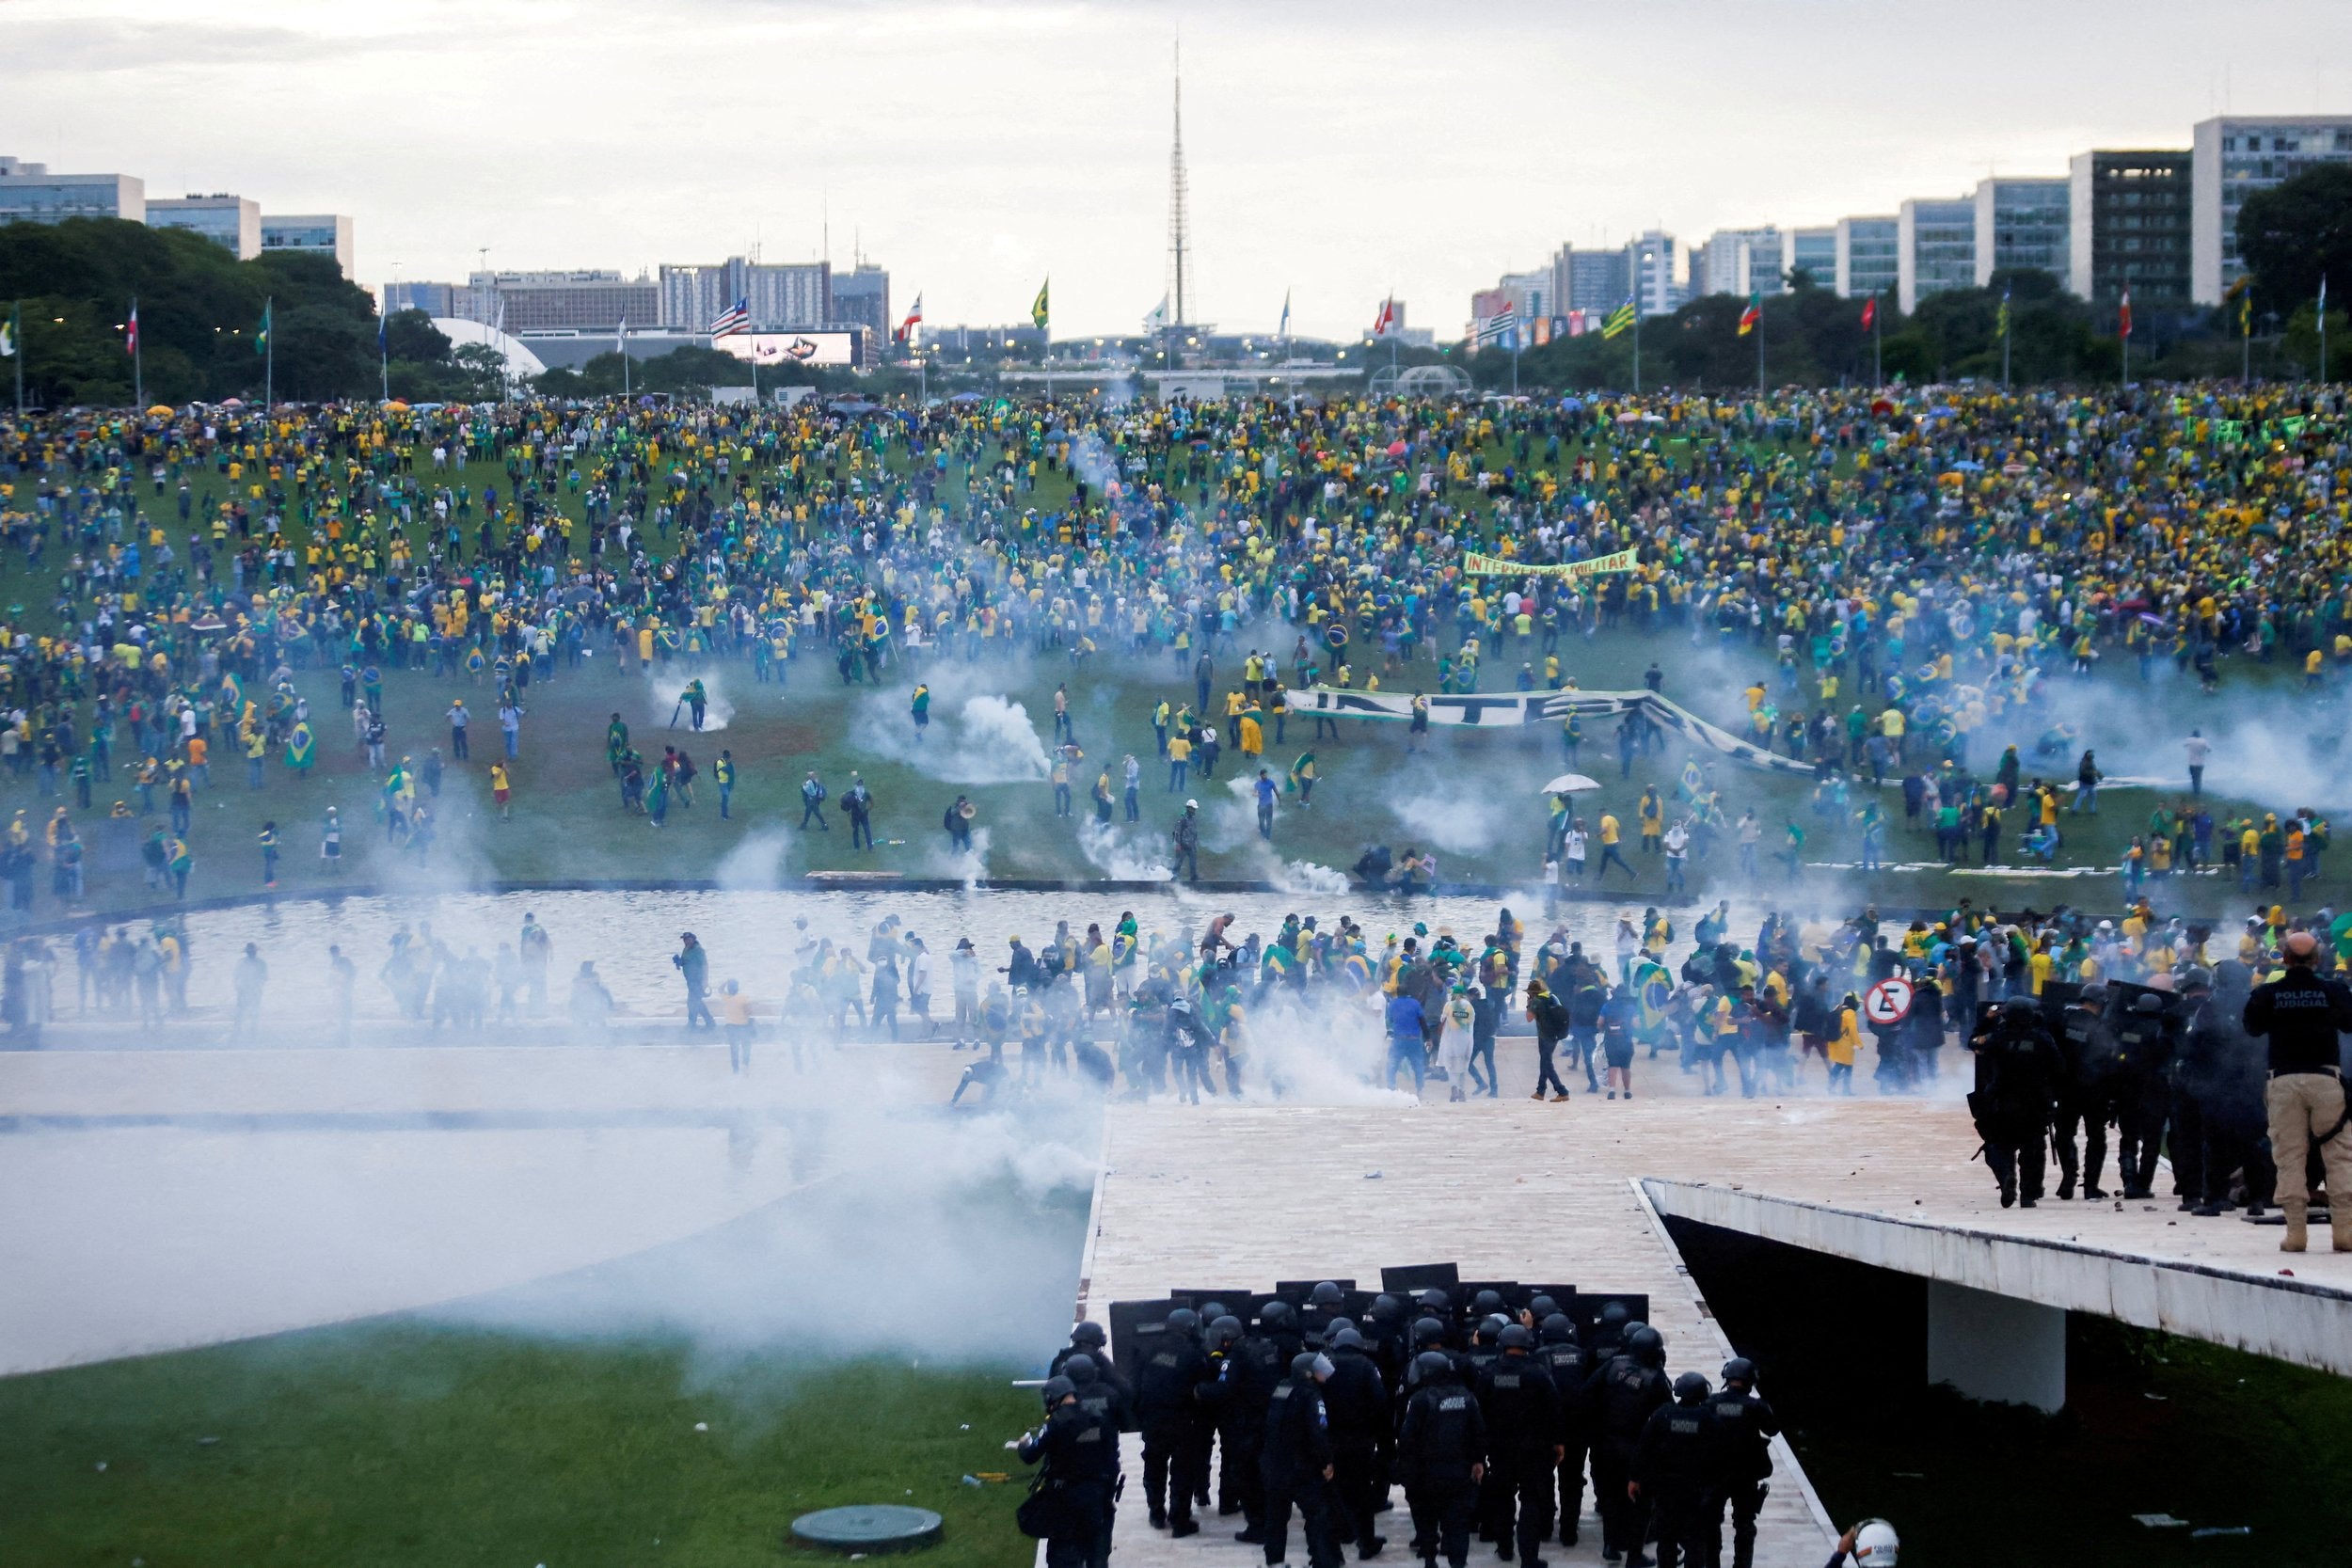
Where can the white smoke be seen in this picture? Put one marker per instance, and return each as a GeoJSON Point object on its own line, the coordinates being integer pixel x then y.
{"type": "Point", "coordinates": [986, 739]}
{"type": "Point", "coordinates": [1125, 853]}
{"type": "Point", "coordinates": [666, 705]}
{"type": "Point", "coordinates": [757, 862]}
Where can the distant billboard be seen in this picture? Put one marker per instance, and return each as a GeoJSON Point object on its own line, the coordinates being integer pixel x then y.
{"type": "Point", "coordinates": [791, 348]}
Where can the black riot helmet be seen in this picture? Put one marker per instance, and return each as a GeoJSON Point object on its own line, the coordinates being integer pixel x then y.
{"type": "Point", "coordinates": [1345, 1337]}
{"type": "Point", "coordinates": [1437, 1303]}
{"type": "Point", "coordinates": [1386, 1310]}
{"type": "Point", "coordinates": [1276, 1314]}
{"type": "Point", "coordinates": [1088, 1333]}
{"type": "Point", "coordinates": [1491, 1325]}
{"type": "Point", "coordinates": [1430, 1365]}
{"type": "Point", "coordinates": [1183, 1320]}
{"type": "Point", "coordinates": [1645, 1345]}
{"type": "Point", "coordinates": [2196, 979]}
{"type": "Point", "coordinates": [1212, 1310]}
{"type": "Point", "coordinates": [1690, 1387]}
{"type": "Point", "coordinates": [1614, 1315]}
{"type": "Point", "coordinates": [1516, 1337]}
{"type": "Point", "coordinates": [1428, 1331]}
{"type": "Point", "coordinates": [2019, 1010]}
{"type": "Point", "coordinates": [1307, 1363]}
{"type": "Point", "coordinates": [1057, 1389]}
{"type": "Point", "coordinates": [1327, 1295]}
{"type": "Point", "coordinates": [1739, 1369]}
{"type": "Point", "coordinates": [1558, 1330]}
{"type": "Point", "coordinates": [2147, 1002]}
{"type": "Point", "coordinates": [1223, 1331]}
{"type": "Point", "coordinates": [1081, 1371]}
{"type": "Point", "coordinates": [1487, 1301]}
{"type": "Point", "coordinates": [1542, 1307]}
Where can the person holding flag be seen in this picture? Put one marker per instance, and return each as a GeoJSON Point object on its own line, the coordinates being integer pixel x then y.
{"type": "Point", "coordinates": [301, 746]}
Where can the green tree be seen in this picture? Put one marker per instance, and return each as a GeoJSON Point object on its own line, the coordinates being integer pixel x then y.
{"type": "Point", "coordinates": [2295, 234]}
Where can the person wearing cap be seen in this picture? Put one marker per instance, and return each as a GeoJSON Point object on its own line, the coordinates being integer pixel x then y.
{"type": "Point", "coordinates": [1186, 835]}
{"type": "Point", "coordinates": [2302, 1014]}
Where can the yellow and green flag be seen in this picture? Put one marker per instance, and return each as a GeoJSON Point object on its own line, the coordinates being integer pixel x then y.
{"type": "Point", "coordinates": [1038, 312]}
{"type": "Point", "coordinates": [1619, 319]}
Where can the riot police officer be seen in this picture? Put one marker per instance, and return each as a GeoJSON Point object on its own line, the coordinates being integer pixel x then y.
{"type": "Point", "coordinates": [1357, 1402]}
{"type": "Point", "coordinates": [2221, 1078]}
{"type": "Point", "coordinates": [1570, 1368]}
{"type": "Point", "coordinates": [1095, 1396]}
{"type": "Point", "coordinates": [1168, 1410]}
{"type": "Point", "coordinates": [1262, 1360]}
{"type": "Point", "coordinates": [1089, 1339]}
{"type": "Point", "coordinates": [1442, 1458]}
{"type": "Point", "coordinates": [2017, 1071]}
{"type": "Point", "coordinates": [1669, 1475]}
{"type": "Point", "coordinates": [2144, 1044]}
{"type": "Point", "coordinates": [1297, 1462]}
{"type": "Point", "coordinates": [2085, 1091]}
{"type": "Point", "coordinates": [1622, 1393]}
{"type": "Point", "coordinates": [1522, 1409]}
{"type": "Point", "coordinates": [1079, 1450]}
{"type": "Point", "coordinates": [1741, 1429]}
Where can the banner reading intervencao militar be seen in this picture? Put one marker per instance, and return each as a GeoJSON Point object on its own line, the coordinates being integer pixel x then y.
{"type": "Point", "coordinates": [1496, 567]}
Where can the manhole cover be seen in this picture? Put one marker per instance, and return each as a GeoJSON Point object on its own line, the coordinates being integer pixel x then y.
{"type": "Point", "coordinates": [868, 1528]}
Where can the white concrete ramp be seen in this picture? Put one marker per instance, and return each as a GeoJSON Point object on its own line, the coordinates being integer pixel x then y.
{"type": "Point", "coordinates": [1248, 1195]}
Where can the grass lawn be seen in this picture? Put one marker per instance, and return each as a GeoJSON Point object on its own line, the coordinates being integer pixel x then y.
{"type": "Point", "coordinates": [398, 1442]}
{"type": "Point", "coordinates": [1473, 798]}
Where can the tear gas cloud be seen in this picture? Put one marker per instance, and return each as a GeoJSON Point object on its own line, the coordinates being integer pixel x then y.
{"type": "Point", "coordinates": [977, 736]}
{"type": "Point", "coordinates": [665, 705]}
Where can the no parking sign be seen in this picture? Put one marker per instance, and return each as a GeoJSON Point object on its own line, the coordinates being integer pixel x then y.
{"type": "Point", "coordinates": [1888, 1002]}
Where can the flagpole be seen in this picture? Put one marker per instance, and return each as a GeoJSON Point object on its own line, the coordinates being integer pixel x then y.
{"type": "Point", "coordinates": [383, 360]}
{"type": "Point", "coordinates": [2323, 329]}
{"type": "Point", "coordinates": [269, 355]}
{"type": "Point", "coordinates": [138, 363]}
{"type": "Point", "coordinates": [1878, 356]}
{"type": "Point", "coordinates": [625, 382]}
{"type": "Point", "coordinates": [2007, 330]}
{"type": "Point", "coordinates": [1760, 352]}
{"type": "Point", "coordinates": [1637, 344]}
{"type": "Point", "coordinates": [19, 358]}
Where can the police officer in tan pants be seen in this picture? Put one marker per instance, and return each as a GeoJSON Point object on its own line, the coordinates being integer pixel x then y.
{"type": "Point", "coordinates": [2301, 1013]}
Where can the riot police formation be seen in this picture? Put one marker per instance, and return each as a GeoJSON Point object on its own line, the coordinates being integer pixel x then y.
{"type": "Point", "coordinates": [2219, 1078]}
{"type": "Point", "coordinates": [1489, 1426]}
{"type": "Point", "coordinates": [2017, 1075]}
{"type": "Point", "coordinates": [1070, 1506]}
{"type": "Point", "coordinates": [2145, 1036]}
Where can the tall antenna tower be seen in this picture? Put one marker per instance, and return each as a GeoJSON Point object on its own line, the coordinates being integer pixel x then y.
{"type": "Point", "coordinates": [1178, 243]}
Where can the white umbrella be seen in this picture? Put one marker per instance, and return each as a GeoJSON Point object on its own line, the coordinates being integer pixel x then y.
{"type": "Point", "coordinates": [1569, 784]}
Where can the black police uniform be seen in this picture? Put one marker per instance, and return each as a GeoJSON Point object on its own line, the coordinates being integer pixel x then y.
{"type": "Point", "coordinates": [1169, 1412]}
{"type": "Point", "coordinates": [2017, 1073]}
{"type": "Point", "coordinates": [1570, 1368]}
{"type": "Point", "coordinates": [1443, 1437]}
{"type": "Point", "coordinates": [2145, 1039]}
{"type": "Point", "coordinates": [2220, 1080]}
{"type": "Point", "coordinates": [2085, 1098]}
{"type": "Point", "coordinates": [1357, 1403]}
{"type": "Point", "coordinates": [1741, 1429]}
{"type": "Point", "coordinates": [1670, 1463]}
{"type": "Point", "coordinates": [1080, 1452]}
{"type": "Point", "coordinates": [1297, 1451]}
{"type": "Point", "coordinates": [1522, 1411]}
{"type": "Point", "coordinates": [1622, 1394]}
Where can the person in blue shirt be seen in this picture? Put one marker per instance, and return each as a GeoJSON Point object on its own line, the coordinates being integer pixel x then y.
{"type": "Point", "coordinates": [1406, 1046]}
{"type": "Point", "coordinates": [1265, 792]}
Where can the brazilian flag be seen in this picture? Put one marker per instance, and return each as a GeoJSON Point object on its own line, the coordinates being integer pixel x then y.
{"type": "Point", "coordinates": [1653, 989]}
{"type": "Point", "coordinates": [1038, 312]}
{"type": "Point", "coordinates": [300, 745]}
{"type": "Point", "coordinates": [261, 333]}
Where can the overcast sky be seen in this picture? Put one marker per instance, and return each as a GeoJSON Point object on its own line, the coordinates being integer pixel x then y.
{"type": "Point", "coordinates": [1335, 150]}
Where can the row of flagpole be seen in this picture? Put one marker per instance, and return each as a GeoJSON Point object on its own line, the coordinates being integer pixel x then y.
{"type": "Point", "coordinates": [13, 347]}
